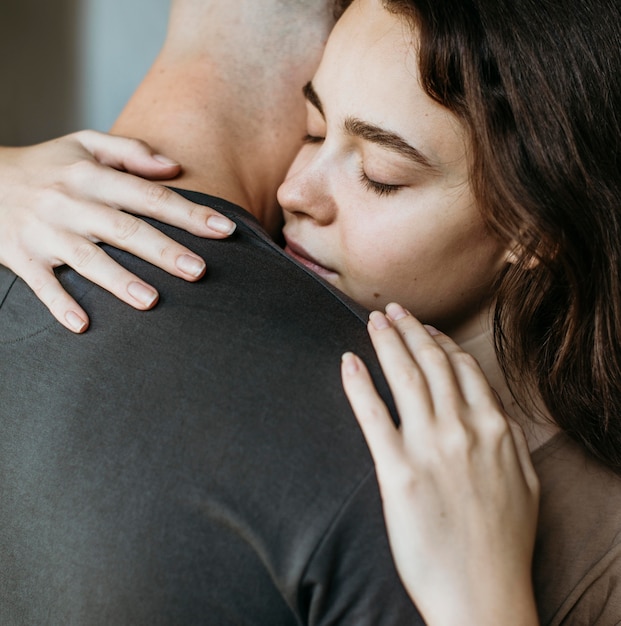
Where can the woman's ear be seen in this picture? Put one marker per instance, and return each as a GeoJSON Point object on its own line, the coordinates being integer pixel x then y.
{"type": "Point", "coordinates": [516, 254]}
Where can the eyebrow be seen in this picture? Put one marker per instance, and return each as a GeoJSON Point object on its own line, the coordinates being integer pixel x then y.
{"type": "Point", "coordinates": [386, 139]}
{"type": "Point", "coordinates": [372, 133]}
{"type": "Point", "coordinates": [311, 95]}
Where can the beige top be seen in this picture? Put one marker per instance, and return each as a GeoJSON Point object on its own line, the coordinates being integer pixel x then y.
{"type": "Point", "coordinates": [577, 565]}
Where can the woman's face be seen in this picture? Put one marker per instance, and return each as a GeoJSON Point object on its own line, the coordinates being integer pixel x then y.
{"type": "Point", "coordinates": [378, 200]}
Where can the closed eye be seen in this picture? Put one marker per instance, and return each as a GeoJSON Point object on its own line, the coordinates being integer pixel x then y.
{"type": "Point", "coordinates": [381, 189]}
{"type": "Point", "coordinates": [312, 139]}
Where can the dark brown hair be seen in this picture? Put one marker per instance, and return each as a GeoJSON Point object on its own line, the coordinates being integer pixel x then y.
{"type": "Point", "coordinates": [339, 7]}
{"type": "Point", "coordinates": [538, 85]}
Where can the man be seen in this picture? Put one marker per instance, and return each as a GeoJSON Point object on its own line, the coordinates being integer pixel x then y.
{"type": "Point", "coordinates": [198, 463]}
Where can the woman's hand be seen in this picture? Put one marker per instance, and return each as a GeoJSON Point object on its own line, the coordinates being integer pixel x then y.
{"type": "Point", "coordinates": [59, 198]}
{"type": "Point", "coordinates": [459, 492]}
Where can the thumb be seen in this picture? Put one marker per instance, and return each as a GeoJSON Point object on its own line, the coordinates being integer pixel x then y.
{"type": "Point", "coordinates": [131, 155]}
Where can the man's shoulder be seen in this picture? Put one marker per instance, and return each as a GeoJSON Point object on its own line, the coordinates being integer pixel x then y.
{"type": "Point", "coordinates": [247, 266]}
{"type": "Point", "coordinates": [251, 233]}
{"type": "Point", "coordinates": [221, 409]}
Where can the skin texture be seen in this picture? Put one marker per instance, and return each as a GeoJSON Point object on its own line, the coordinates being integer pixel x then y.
{"type": "Point", "coordinates": [380, 224]}
{"type": "Point", "coordinates": [223, 98]}
{"type": "Point", "coordinates": [61, 197]}
{"type": "Point", "coordinates": [459, 492]}
{"type": "Point", "coordinates": [386, 223]}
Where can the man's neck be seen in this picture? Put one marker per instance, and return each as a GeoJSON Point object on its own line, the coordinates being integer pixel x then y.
{"type": "Point", "coordinates": [189, 114]}
{"type": "Point", "coordinates": [224, 97]}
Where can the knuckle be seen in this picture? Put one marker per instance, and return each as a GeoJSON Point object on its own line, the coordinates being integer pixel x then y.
{"type": "Point", "coordinates": [431, 457]}
{"type": "Point", "coordinates": [125, 226]}
{"type": "Point", "coordinates": [197, 212]}
{"type": "Point", "coordinates": [374, 412]}
{"type": "Point", "coordinates": [83, 254]}
{"type": "Point", "coordinates": [48, 291]}
{"type": "Point", "coordinates": [166, 253]}
{"type": "Point", "coordinates": [431, 354]}
{"type": "Point", "coordinates": [80, 173]}
{"type": "Point", "coordinates": [137, 145]}
{"type": "Point", "coordinates": [56, 299]}
{"type": "Point", "coordinates": [83, 135]}
{"type": "Point", "coordinates": [451, 408]}
{"type": "Point", "coordinates": [408, 376]}
{"type": "Point", "coordinates": [458, 441]}
{"type": "Point", "coordinates": [38, 284]}
{"type": "Point", "coordinates": [50, 199]}
{"type": "Point", "coordinates": [495, 430]}
{"type": "Point", "coordinates": [157, 197]}
{"type": "Point", "coordinates": [403, 482]}
{"type": "Point", "coordinates": [498, 426]}
{"type": "Point", "coordinates": [465, 360]}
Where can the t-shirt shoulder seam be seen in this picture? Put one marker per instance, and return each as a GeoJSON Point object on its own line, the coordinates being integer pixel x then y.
{"type": "Point", "coordinates": [250, 224]}
{"type": "Point", "coordinates": [586, 581]}
{"type": "Point", "coordinates": [338, 514]}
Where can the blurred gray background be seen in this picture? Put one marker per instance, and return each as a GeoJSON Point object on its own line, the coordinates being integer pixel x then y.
{"type": "Point", "coordinates": [72, 64]}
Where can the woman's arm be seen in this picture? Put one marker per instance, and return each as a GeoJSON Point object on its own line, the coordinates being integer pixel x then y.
{"type": "Point", "coordinates": [459, 492]}
{"type": "Point", "coordinates": [59, 198]}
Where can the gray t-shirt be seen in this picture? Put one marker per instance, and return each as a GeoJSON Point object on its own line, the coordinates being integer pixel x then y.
{"type": "Point", "coordinates": [194, 464]}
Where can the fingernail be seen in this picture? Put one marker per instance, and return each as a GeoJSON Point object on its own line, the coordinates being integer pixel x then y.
{"type": "Point", "coordinates": [75, 321]}
{"type": "Point", "coordinates": [379, 320]}
{"type": "Point", "coordinates": [164, 160]}
{"type": "Point", "coordinates": [431, 330]}
{"type": "Point", "coordinates": [395, 311]}
{"type": "Point", "coordinates": [191, 265]}
{"type": "Point", "coordinates": [221, 224]}
{"type": "Point", "coordinates": [350, 363]}
{"type": "Point", "coordinates": [147, 296]}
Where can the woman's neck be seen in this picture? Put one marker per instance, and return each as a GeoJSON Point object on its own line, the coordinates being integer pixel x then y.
{"type": "Point", "coordinates": [538, 426]}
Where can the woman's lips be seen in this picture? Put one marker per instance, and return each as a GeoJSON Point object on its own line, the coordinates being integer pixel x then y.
{"type": "Point", "coordinates": [303, 257]}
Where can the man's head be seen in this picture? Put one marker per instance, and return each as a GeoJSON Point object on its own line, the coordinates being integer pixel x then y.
{"type": "Point", "coordinates": [225, 96]}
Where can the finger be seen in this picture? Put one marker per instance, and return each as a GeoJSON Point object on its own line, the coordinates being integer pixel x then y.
{"type": "Point", "coordinates": [383, 438]}
{"type": "Point", "coordinates": [524, 457]}
{"type": "Point", "coordinates": [444, 390]}
{"type": "Point", "coordinates": [406, 380]}
{"type": "Point", "coordinates": [91, 262]}
{"type": "Point", "coordinates": [134, 235]}
{"type": "Point", "coordinates": [473, 383]}
{"type": "Point", "coordinates": [130, 155]}
{"type": "Point", "coordinates": [486, 406]}
{"type": "Point", "coordinates": [143, 197]}
{"type": "Point", "coordinates": [52, 294]}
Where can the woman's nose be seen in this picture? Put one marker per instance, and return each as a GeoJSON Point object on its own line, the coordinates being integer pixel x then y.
{"type": "Point", "coordinates": [306, 189]}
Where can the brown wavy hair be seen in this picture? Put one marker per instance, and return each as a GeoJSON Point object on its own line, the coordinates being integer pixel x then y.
{"type": "Point", "coordinates": [537, 83]}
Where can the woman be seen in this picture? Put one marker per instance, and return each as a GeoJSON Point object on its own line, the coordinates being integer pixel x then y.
{"type": "Point", "coordinates": [448, 168]}
{"type": "Point", "coordinates": [535, 89]}
{"type": "Point", "coordinates": [436, 182]}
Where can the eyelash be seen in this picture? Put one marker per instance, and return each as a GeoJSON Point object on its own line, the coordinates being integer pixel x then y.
{"type": "Point", "coordinates": [381, 189]}
{"type": "Point", "coordinates": [312, 139]}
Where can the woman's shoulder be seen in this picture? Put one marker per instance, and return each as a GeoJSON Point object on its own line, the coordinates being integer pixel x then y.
{"type": "Point", "coordinates": [577, 560]}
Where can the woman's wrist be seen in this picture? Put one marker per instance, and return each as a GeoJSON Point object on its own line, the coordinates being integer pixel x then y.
{"type": "Point", "coordinates": [487, 605]}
